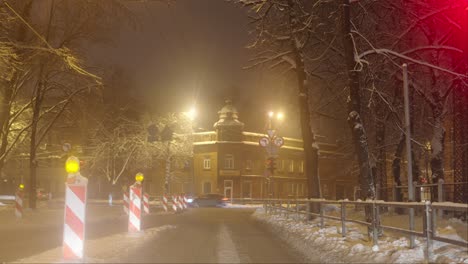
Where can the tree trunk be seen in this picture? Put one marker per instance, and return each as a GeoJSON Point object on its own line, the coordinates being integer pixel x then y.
{"type": "Point", "coordinates": [437, 143]}
{"type": "Point", "coordinates": [381, 164]}
{"type": "Point", "coordinates": [308, 137]}
{"type": "Point", "coordinates": [32, 147]}
{"type": "Point", "coordinates": [354, 106]}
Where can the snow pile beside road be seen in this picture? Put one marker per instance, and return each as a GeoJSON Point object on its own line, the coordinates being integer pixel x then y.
{"type": "Point", "coordinates": [110, 249]}
{"type": "Point", "coordinates": [329, 246]}
{"type": "Point", "coordinates": [229, 205]}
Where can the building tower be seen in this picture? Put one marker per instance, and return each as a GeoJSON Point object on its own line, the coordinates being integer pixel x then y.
{"type": "Point", "coordinates": [228, 127]}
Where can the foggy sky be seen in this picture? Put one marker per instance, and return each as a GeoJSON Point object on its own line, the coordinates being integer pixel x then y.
{"type": "Point", "coordinates": [193, 52]}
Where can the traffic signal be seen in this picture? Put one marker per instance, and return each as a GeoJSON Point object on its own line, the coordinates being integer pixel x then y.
{"type": "Point", "coordinates": [271, 165]}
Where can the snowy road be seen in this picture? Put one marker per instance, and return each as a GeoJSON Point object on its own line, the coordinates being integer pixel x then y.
{"type": "Point", "coordinates": [198, 235]}
{"type": "Point", "coordinates": [213, 235]}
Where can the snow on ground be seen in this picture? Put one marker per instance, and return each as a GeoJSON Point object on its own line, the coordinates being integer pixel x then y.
{"type": "Point", "coordinates": [229, 205]}
{"type": "Point", "coordinates": [329, 244]}
{"type": "Point", "coordinates": [110, 249]}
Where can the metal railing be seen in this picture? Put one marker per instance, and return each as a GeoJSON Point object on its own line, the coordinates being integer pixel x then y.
{"type": "Point", "coordinates": [429, 218]}
{"type": "Point", "coordinates": [441, 191]}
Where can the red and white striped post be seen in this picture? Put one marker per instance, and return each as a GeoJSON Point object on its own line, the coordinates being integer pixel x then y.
{"type": "Point", "coordinates": [19, 201]}
{"type": "Point", "coordinates": [75, 211]}
{"type": "Point", "coordinates": [125, 202]}
{"type": "Point", "coordinates": [164, 203]}
{"type": "Point", "coordinates": [180, 202]}
{"type": "Point", "coordinates": [174, 203]}
{"type": "Point", "coordinates": [185, 202]}
{"type": "Point", "coordinates": [134, 212]}
{"type": "Point", "coordinates": [146, 203]}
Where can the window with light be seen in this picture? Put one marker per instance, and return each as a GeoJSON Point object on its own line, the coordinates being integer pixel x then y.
{"type": "Point", "coordinates": [207, 164]}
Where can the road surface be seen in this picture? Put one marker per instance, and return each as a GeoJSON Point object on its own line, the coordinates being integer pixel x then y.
{"type": "Point", "coordinates": [214, 235]}
{"type": "Point", "coordinates": [198, 235]}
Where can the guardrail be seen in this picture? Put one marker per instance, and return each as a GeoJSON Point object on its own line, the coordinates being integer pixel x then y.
{"type": "Point", "coordinates": [280, 206]}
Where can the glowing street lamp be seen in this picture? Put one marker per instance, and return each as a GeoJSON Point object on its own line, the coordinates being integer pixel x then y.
{"type": "Point", "coordinates": [191, 114]}
{"type": "Point", "coordinates": [279, 116]}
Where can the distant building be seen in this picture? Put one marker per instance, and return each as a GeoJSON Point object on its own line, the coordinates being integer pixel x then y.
{"type": "Point", "coordinates": [229, 160]}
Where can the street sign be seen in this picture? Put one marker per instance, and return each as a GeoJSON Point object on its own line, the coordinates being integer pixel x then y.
{"type": "Point", "coordinates": [264, 141]}
{"type": "Point", "coordinates": [66, 147]}
{"type": "Point", "coordinates": [279, 141]}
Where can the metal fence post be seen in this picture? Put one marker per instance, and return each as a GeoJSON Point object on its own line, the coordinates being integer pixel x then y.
{"type": "Point", "coordinates": [415, 192]}
{"type": "Point", "coordinates": [297, 210]}
{"type": "Point", "coordinates": [375, 232]}
{"type": "Point", "coordinates": [343, 219]}
{"type": "Point", "coordinates": [287, 212]}
{"type": "Point", "coordinates": [411, 227]}
{"type": "Point", "coordinates": [428, 252]}
{"type": "Point", "coordinates": [321, 215]}
{"type": "Point", "coordinates": [377, 191]}
{"type": "Point", "coordinates": [440, 195]}
{"type": "Point", "coordinates": [307, 210]}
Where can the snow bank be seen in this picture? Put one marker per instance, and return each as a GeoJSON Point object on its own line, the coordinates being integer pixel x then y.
{"type": "Point", "coordinates": [229, 205]}
{"type": "Point", "coordinates": [110, 249]}
{"type": "Point", "coordinates": [328, 246]}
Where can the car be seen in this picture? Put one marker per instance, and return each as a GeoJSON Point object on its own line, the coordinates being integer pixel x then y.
{"type": "Point", "coordinates": [209, 200]}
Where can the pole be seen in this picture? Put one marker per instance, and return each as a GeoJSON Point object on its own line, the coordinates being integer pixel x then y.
{"type": "Point", "coordinates": [408, 133]}
{"type": "Point", "coordinates": [168, 170]}
{"type": "Point", "coordinates": [408, 152]}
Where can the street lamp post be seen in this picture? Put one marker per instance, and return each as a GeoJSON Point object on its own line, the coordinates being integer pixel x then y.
{"type": "Point", "coordinates": [271, 142]}
{"type": "Point", "coordinates": [191, 115]}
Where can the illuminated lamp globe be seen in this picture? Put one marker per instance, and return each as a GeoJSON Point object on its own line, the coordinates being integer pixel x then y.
{"type": "Point", "coordinates": [72, 165]}
{"type": "Point", "coordinates": [21, 186]}
{"type": "Point", "coordinates": [139, 177]}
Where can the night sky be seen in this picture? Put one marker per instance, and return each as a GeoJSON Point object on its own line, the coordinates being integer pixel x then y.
{"type": "Point", "coordinates": [193, 52]}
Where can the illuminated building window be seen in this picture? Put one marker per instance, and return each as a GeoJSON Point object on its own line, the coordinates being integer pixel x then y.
{"type": "Point", "coordinates": [281, 165]}
{"type": "Point", "coordinates": [207, 164]}
{"type": "Point", "coordinates": [229, 161]}
{"type": "Point", "coordinates": [301, 167]}
{"type": "Point", "coordinates": [291, 166]}
{"type": "Point", "coordinates": [248, 164]}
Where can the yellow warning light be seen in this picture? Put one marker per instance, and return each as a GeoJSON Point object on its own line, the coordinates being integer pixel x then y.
{"type": "Point", "coordinates": [139, 177]}
{"type": "Point", "coordinates": [21, 186]}
{"type": "Point", "coordinates": [72, 165]}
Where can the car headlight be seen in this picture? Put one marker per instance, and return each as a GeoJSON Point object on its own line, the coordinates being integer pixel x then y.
{"type": "Point", "coordinates": [190, 200]}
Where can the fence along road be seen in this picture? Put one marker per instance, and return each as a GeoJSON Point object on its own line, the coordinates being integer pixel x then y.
{"type": "Point", "coordinates": [278, 206]}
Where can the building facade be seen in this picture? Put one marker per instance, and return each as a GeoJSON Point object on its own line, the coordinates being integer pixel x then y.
{"type": "Point", "coordinates": [230, 161]}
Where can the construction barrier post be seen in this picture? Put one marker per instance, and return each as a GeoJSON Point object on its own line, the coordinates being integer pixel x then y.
{"type": "Point", "coordinates": [164, 203]}
{"type": "Point", "coordinates": [180, 203]}
{"type": "Point", "coordinates": [174, 203]}
{"type": "Point", "coordinates": [134, 212]}
{"type": "Point", "coordinates": [19, 201]}
{"type": "Point", "coordinates": [75, 211]}
{"type": "Point", "coordinates": [146, 203]}
{"type": "Point", "coordinates": [125, 202]}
